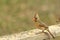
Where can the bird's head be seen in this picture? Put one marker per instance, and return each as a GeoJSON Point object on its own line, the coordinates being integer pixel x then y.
{"type": "Point", "coordinates": [35, 17]}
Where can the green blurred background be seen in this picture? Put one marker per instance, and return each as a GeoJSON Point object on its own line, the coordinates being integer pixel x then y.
{"type": "Point", "coordinates": [16, 15]}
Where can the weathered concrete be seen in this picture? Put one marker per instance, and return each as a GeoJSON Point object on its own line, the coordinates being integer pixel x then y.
{"type": "Point", "coordinates": [34, 34]}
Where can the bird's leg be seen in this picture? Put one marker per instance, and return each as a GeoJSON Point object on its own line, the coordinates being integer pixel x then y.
{"type": "Point", "coordinates": [43, 31]}
{"type": "Point", "coordinates": [46, 28]}
{"type": "Point", "coordinates": [48, 36]}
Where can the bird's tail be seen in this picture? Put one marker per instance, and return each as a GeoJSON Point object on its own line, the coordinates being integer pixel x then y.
{"type": "Point", "coordinates": [51, 34]}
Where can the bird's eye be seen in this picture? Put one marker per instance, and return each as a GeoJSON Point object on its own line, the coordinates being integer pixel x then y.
{"type": "Point", "coordinates": [35, 18]}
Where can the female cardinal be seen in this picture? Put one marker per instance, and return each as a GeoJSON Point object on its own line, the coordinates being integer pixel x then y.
{"type": "Point", "coordinates": [40, 25]}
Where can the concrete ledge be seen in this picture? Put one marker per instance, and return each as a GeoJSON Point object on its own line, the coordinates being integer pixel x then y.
{"type": "Point", "coordinates": [34, 34]}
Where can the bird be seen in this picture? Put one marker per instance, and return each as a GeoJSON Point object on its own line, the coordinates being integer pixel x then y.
{"type": "Point", "coordinates": [40, 25]}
